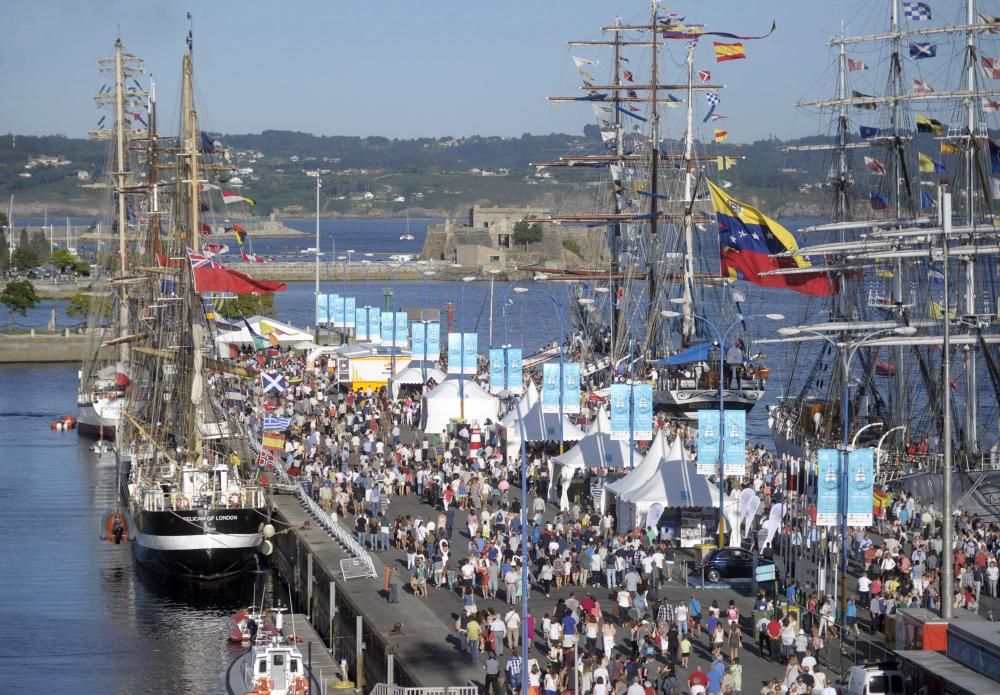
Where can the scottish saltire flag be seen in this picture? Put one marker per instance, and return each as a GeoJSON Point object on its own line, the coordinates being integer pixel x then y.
{"type": "Point", "coordinates": [917, 11]}
{"type": "Point", "coordinates": [273, 382]}
{"type": "Point", "coordinates": [923, 50]}
{"type": "Point", "coordinates": [273, 422]}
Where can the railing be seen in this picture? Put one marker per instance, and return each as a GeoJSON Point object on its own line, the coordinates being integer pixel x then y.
{"type": "Point", "coordinates": [384, 689]}
{"type": "Point", "coordinates": [339, 533]}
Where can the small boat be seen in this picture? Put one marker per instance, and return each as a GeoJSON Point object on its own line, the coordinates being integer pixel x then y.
{"type": "Point", "coordinates": [102, 447]}
{"type": "Point", "coordinates": [238, 627]}
{"type": "Point", "coordinates": [406, 237]}
{"type": "Point", "coordinates": [272, 665]}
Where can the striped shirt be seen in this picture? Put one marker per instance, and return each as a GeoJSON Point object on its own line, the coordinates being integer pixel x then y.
{"type": "Point", "coordinates": [514, 665]}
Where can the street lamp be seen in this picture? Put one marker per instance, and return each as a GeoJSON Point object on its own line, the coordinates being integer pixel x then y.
{"type": "Point", "coordinates": [424, 321]}
{"type": "Point", "coordinates": [461, 370]}
{"type": "Point", "coordinates": [722, 337]}
{"type": "Point", "coordinates": [847, 352]}
{"type": "Point", "coordinates": [562, 339]}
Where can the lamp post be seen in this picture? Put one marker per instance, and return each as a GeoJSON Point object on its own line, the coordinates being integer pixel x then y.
{"type": "Point", "coordinates": [319, 185]}
{"type": "Point", "coordinates": [424, 321]}
{"type": "Point", "coordinates": [562, 339]}
{"type": "Point", "coordinates": [722, 336]}
{"type": "Point", "coordinates": [847, 352]}
{"type": "Point", "coordinates": [461, 373]}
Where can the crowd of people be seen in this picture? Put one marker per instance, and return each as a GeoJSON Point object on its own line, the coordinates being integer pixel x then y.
{"type": "Point", "coordinates": [616, 632]}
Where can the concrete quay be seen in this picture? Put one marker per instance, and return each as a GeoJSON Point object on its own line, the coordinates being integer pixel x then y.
{"type": "Point", "coordinates": [38, 346]}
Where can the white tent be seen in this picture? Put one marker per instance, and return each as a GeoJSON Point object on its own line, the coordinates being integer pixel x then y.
{"type": "Point", "coordinates": [523, 405]}
{"type": "Point", "coordinates": [671, 481]}
{"type": "Point", "coordinates": [412, 374]}
{"type": "Point", "coordinates": [443, 404]}
{"type": "Point", "coordinates": [540, 427]}
{"type": "Point", "coordinates": [286, 334]}
{"type": "Point", "coordinates": [597, 449]}
{"type": "Point", "coordinates": [648, 467]}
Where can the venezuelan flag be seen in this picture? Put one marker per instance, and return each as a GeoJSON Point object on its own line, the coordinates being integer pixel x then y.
{"type": "Point", "coordinates": [748, 239]}
{"type": "Point", "coordinates": [728, 51]}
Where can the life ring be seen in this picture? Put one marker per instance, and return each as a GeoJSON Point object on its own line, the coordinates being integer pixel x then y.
{"type": "Point", "coordinates": [300, 685]}
{"type": "Point", "coordinates": [69, 422]}
{"type": "Point", "coordinates": [263, 685]}
{"type": "Point", "coordinates": [57, 425]}
{"type": "Point", "coordinates": [234, 499]}
{"type": "Point", "coordinates": [184, 503]}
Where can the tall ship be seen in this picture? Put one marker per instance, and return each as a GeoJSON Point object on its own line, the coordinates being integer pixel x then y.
{"type": "Point", "coordinates": [104, 373]}
{"type": "Point", "coordinates": [913, 110]}
{"type": "Point", "coordinates": [193, 504]}
{"type": "Point", "coordinates": [658, 311]}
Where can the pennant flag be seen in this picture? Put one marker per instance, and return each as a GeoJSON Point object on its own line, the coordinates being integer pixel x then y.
{"type": "Point", "coordinates": [721, 135]}
{"type": "Point", "coordinates": [272, 441]}
{"type": "Point", "coordinates": [580, 62]}
{"type": "Point", "coordinates": [855, 65]}
{"type": "Point", "coordinates": [717, 116]}
{"type": "Point", "coordinates": [919, 51]}
{"type": "Point", "coordinates": [878, 201]}
{"type": "Point", "coordinates": [869, 132]}
{"type": "Point", "coordinates": [704, 75]}
{"type": "Point", "coordinates": [917, 11]}
{"type": "Point", "coordinates": [725, 163]}
{"type": "Point", "coordinates": [273, 382]}
{"type": "Point", "coordinates": [929, 165]}
{"type": "Point", "coordinates": [728, 51]}
{"type": "Point", "coordinates": [929, 125]}
{"type": "Point", "coordinates": [273, 422]}
{"type": "Point", "coordinates": [693, 31]}
{"type": "Point", "coordinates": [230, 197]}
{"type": "Point", "coordinates": [710, 115]}
{"type": "Point", "coordinates": [212, 276]}
{"type": "Point", "coordinates": [748, 241]}
{"type": "Point", "coordinates": [712, 98]}
{"type": "Point", "coordinates": [926, 202]}
{"type": "Point", "coordinates": [990, 105]}
{"type": "Point", "coordinates": [922, 88]}
{"type": "Point", "coordinates": [866, 105]}
{"type": "Point", "coordinates": [628, 112]}
{"type": "Point", "coordinates": [994, 158]}
{"type": "Point", "coordinates": [948, 148]}
{"type": "Point", "coordinates": [991, 67]}
{"type": "Point", "coordinates": [876, 166]}
{"type": "Point", "coordinates": [992, 24]}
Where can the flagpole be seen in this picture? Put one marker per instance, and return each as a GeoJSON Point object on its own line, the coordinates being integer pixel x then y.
{"type": "Point", "coordinates": [316, 291]}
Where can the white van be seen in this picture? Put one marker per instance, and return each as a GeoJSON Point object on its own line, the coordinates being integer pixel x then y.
{"type": "Point", "coordinates": [877, 679]}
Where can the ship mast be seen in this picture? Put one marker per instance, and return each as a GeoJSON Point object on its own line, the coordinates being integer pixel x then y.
{"type": "Point", "coordinates": [971, 396]}
{"type": "Point", "coordinates": [687, 323]}
{"type": "Point", "coordinates": [653, 267]}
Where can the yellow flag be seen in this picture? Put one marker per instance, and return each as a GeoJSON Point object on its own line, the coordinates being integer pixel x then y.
{"type": "Point", "coordinates": [721, 135]}
{"type": "Point", "coordinates": [725, 163]}
{"type": "Point", "coordinates": [948, 148]}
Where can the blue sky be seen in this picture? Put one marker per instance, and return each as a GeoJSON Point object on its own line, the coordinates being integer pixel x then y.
{"type": "Point", "coordinates": [401, 69]}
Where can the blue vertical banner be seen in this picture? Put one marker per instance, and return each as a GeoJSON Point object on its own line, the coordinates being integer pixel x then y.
{"type": "Point", "coordinates": [498, 370]}
{"type": "Point", "coordinates": [386, 325]}
{"type": "Point", "coordinates": [433, 341]}
{"type": "Point", "coordinates": [709, 438]}
{"type": "Point", "coordinates": [619, 412]}
{"type": "Point", "coordinates": [571, 387]}
{"type": "Point", "coordinates": [402, 321]}
{"type": "Point", "coordinates": [734, 455]}
{"type": "Point", "coordinates": [860, 487]}
{"type": "Point", "coordinates": [454, 353]}
{"type": "Point", "coordinates": [361, 323]}
{"type": "Point", "coordinates": [374, 324]}
{"type": "Point", "coordinates": [515, 373]}
{"type": "Point", "coordinates": [419, 340]}
{"type": "Point", "coordinates": [350, 307]}
{"type": "Point", "coordinates": [322, 309]}
{"type": "Point", "coordinates": [828, 487]}
{"type": "Point", "coordinates": [551, 388]}
{"type": "Point", "coordinates": [470, 352]}
{"type": "Point", "coordinates": [642, 412]}
{"type": "Point", "coordinates": [338, 311]}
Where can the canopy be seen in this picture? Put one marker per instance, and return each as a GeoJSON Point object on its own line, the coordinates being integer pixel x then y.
{"type": "Point", "coordinates": [695, 353]}
{"type": "Point", "coordinates": [541, 427]}
{"type": "Point", "coordinates": [523, 405]}
{"type": "Point", "coordinates": [413, 374]}
{"type": "Point", "coordinates": [647, 468]}
{"type": "Point", "coordinates": [597, 449]}
{"type": "Point", "coordinates": [444, 404]}
{"type": "Point", "coordinates": [284, 333]}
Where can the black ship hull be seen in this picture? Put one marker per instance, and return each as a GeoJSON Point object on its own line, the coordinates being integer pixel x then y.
{"type": "Point", "coordinates": [688, 402]}
{"type": "Point", "coordinates": [197, 543]}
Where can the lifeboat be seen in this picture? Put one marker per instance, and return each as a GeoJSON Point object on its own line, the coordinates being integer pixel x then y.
{"type": "Point", "coordinates": [114, 528]}
{"type": "Point", "coordinates": [66, 422]}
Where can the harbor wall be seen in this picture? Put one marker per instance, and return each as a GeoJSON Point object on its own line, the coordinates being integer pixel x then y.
{"type": "Point", "coordinates": [311, 595]}
{"type": "Point", "coordinates": [44, 347]}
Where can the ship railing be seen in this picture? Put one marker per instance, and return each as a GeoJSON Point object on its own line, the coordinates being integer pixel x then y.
{"type": "Point", "coordinates": [384, 689]}
{"type": "Point", "coordinates": [894, 466]}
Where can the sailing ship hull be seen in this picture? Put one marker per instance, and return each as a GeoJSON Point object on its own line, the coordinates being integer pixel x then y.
{"type": "Point", "coordinates": [200, 544]}
{"type": "Point", "coordinates": [688, 402]}
{"type": "Point", "coordinates": [90, 424]}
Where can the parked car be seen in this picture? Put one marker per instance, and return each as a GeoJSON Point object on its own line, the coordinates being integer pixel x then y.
{"type": "Point", "coordinates": [730, 563]}
{"type": "Point", "coordinates": [884, 678]}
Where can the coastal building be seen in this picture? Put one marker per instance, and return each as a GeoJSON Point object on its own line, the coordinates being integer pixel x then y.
{"type": "Point", "coordinates": [486, 240]}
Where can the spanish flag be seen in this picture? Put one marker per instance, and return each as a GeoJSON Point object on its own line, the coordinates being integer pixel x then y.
{"type": "Point", "coordinates": [749, 241]}
{"type": "Point", "coordinates": [728, 51]}
{"type": "Point", "coordinates": [273, 441]}
{"type": "Point", "coordinates": [721, 135]}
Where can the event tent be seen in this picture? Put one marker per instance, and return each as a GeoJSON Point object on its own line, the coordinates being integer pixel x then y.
{"type": "Point", "coordinates": [597, 449]}
{"type": "Point", "coordinates": [668, 480]}
{"type": "Point", "coordinates": [540, 427]}
{"type": "Point", "coordinates": [412, 374]}
{"type": "Point", "coordinates": [286, 335]}
{"type": "Point", "coordinates": [444, 404]}
{"type": "Point", "coordinates": [523, 405]}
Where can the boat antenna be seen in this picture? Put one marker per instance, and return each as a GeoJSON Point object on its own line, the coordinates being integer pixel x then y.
{"type": "Point", "coordinates": [291, 615]}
